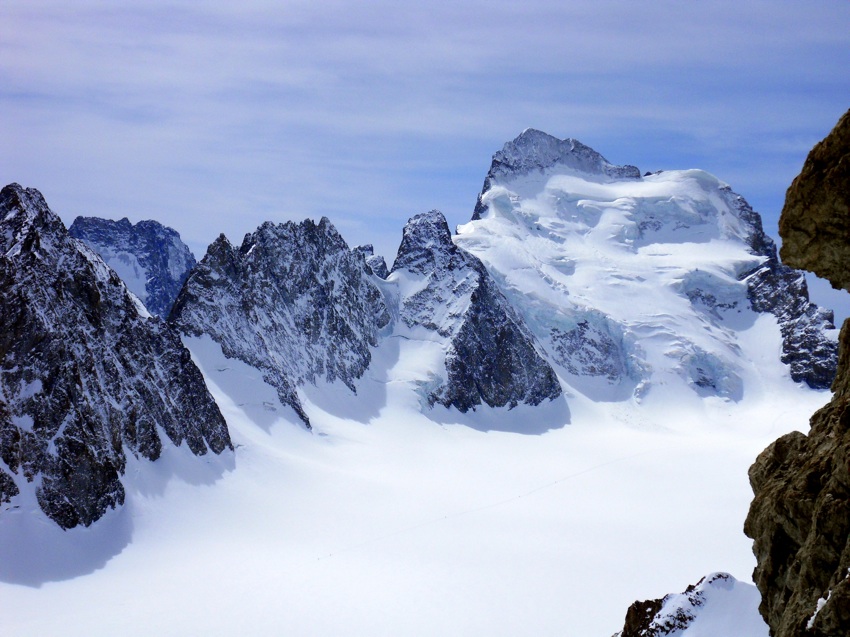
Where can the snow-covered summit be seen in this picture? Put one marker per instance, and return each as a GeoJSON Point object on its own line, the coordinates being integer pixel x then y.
{"type": "Point", "coordinates": [536, 151]}
{"type": "Point", "coordinates": [151, 258]}
{"type": "Point", "coordinates": [636, 283]}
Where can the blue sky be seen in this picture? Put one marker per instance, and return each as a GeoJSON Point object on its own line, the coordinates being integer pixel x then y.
{"type": "Point", "coordinates": [213, 117]}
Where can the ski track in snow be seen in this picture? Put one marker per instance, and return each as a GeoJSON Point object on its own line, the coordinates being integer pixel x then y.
{"type": "Point", "coordinates": [485, 507]}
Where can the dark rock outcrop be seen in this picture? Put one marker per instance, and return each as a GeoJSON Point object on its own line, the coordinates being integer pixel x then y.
{"type": "Point", "coordinates": [491, 357]}
{"type": "Point", "coordinates": [149, 257]}
{"type": "Point", "coordinates": [776, 288]}
{"type": "Point", "coordinates": [800, 516]}
{"type": "Point", "coordinates": [86, 378]}
{"type": "Point", "coordinates": [293, 300]}
{"type": "Point", "coordinates": [375, 262]}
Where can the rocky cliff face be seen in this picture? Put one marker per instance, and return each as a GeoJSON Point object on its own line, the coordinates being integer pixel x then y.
{"type": "Point", "coordinates": [150, 258]}
{"type": "Point", "coordinates": [782, 291]}
{"type": "Point", "coordinates": [87, 377]}
{"type": "Point", "coordinates": [813, 225]}
{"type": "Point", "coordinates": [491, 358]}
{"type": "Point", "coordinates": [293, 301]}
{"type": "Point", "coordinates": [800, 516]}
{"type": "Point", "coordinates": [375, 262]}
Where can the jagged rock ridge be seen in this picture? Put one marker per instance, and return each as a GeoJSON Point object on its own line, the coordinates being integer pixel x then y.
{"type": "Point", "coordinates": [149, 257]}
{"type": "Point", "coordinates": [293, 301]}
{"type": "Point", "coordinates": [86, 377]}
{"type": "Point", "coordinates": [491, 356]}
{"type": "Point", "coordinates": [799, 519]}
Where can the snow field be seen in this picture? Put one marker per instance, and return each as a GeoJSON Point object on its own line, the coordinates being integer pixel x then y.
{"type": "Point", "coordinates": [391, 519]}
{"type": "Point", "coordinates": [385, 522]}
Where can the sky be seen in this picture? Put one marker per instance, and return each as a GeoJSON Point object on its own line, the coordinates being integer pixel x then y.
{"type": "Point", "coordinates": [214, 117]}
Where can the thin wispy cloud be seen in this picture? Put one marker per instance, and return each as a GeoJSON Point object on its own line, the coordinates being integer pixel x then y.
{"type": "Point", "coordinates": [214, 118]}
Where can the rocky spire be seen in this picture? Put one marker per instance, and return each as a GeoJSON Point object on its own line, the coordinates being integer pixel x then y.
{"type": "Point", "coordinates": [78, 390]}
{"type": "Point", "coordinates": [491, 357]}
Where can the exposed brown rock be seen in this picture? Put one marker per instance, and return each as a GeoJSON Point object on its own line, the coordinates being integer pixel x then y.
{"type": "Point", "coordinates": [814, 224]}
{"type": "Point", "coordinates": [800, 516]}
{"type": "Point", "coordinates": [639, 617]}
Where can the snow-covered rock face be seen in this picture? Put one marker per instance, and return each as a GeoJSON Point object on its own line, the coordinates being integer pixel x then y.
{"type": "Point", "coordinates": [490, 356]}
{"type": "Point", "coordinates": [150, 258]}
{"type": "Point", "coordinates": [535, 151]}
{"type": "Point", "coordinates": [633, 283]}
{"type": "Point", "coordinates": [293, 301]}
{"type": "Point", "coordinates": [782, 291]}
{"type": "Point", "coordinates": [86, 377]}
{"type": "Point", "coordinates": [717, 605]}
{"type": "Point", "coordinates": [375, 262]}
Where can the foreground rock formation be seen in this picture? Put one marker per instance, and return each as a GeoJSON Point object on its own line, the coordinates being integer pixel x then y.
{"type": "Point", "coordinates": [88, 377]}
{"type": "Point", "coordinates": [814, 222]}
{"type": "Point", "coordinates": [800, 517]}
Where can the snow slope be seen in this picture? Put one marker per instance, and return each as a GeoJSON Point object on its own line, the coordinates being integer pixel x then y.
{"type": "Point", "coordinates": [385, 522]}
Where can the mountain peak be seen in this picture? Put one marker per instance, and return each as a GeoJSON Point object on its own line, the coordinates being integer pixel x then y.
{"type": "Point", "coordinates": [23, 210]}
{"type": "Point", "coordinates": [576, 229]}
{"type": "Point", "coordinates": [535, 150]}
{"type": "Point", "coordinates": [293, 301]}
{"type": "Point", "coordinates": [425, 239]}
{"type": "Point", "coordinates": [103, 382]}
{"type": "Point", "coordinates": [306, 235]}
{"type": "Point", "coordinates": [16, 196]}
